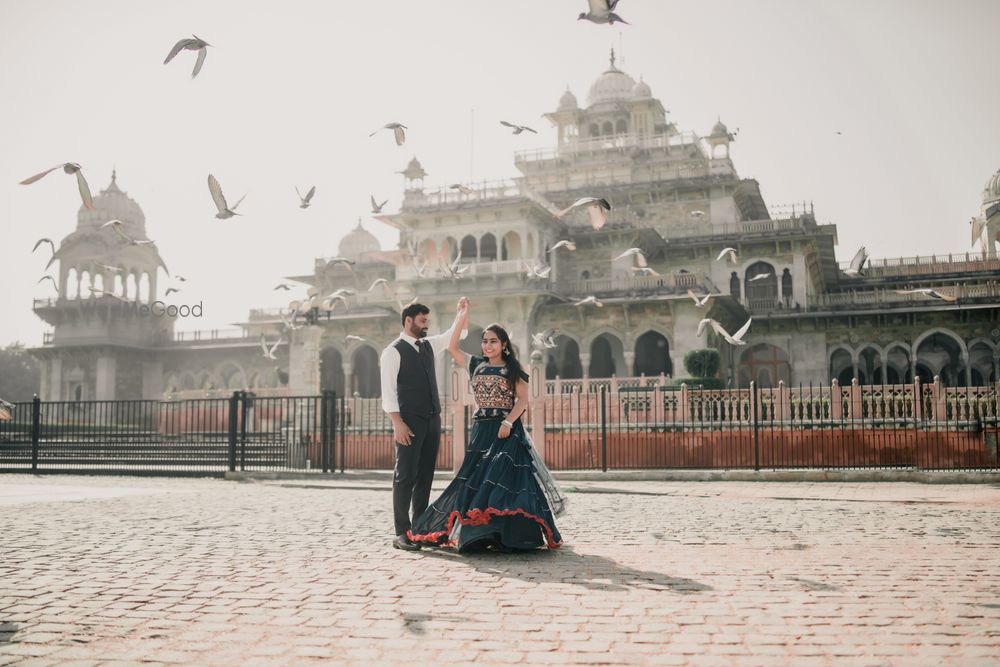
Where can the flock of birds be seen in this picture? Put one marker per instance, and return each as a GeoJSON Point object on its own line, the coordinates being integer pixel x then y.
{"type": "Point", "coordinates": [596, 208]}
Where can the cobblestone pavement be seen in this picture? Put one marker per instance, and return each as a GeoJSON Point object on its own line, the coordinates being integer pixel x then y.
{"type": "Point", "coordinates": [127, 570]}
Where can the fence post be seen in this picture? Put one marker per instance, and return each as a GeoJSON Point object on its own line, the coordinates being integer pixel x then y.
{"type": "Point", "coordinates": [604, 429]}
{"type": "Point", "coordinates": [243, 429]}
{"type": "Point", "coordinates": [856, 412]}
{"type": "Point", "coordinates": [755, 404]}
{"type": "Point", "coordinates": [36, 423]}
{"type": "Point", "coordinates": [836, 400]}
{"type": "Point", "coordinates": [326, 407]}
{"type": "Point", "coordinates": [342, 419]}
{"type": "Point", "coordinates": [536, 385]}
{"type": "Point", "coordinates": [233, 407]}
{"type": "Point", "coordinates": [940, 400]}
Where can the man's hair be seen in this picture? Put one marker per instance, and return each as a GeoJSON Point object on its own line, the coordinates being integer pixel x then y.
{"type": "Point", "coordinates": [413, 310]}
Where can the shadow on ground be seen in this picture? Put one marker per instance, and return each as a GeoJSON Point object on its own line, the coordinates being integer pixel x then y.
{"type": "Point", "coordinates": [564, 565]}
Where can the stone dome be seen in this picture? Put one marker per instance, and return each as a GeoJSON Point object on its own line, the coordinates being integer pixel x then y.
{"type": "Point", "coordinates": [568, 101]}
{"type": "Point", "coordinates": [613, 85]}
{"type": "Point", "coordinates": [113, 204]}
{"type": "Point", "coordinates": [641, 91]}
{"type": "Point", "coordinates": [720, 129]}
{"type": "Point", "coordinates": [991, 192]}
{"type": "Point", "coordinates": [358, 243]}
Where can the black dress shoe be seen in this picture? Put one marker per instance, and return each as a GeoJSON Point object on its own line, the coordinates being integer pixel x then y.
{"type": "Point", "coordinates": [405, 543]}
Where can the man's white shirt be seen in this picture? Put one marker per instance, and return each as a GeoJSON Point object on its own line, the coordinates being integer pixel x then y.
{"type": "Point", "coordinates": [389, 362]}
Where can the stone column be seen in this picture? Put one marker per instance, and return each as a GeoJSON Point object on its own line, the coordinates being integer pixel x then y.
{"type": "Point", "coordinates": [104, 388]}
{"type": "Point", "coordinates": [629, 363]}
{"type": "Point", "coordinates": [55, 380]}
{"type": "Point", "coordinates": [303, 361]}
{"type": "Point", "coordinates": [348, 370]}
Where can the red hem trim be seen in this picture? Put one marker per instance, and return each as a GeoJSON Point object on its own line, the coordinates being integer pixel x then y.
{"type": "Point", "coordinates": [476, 517]}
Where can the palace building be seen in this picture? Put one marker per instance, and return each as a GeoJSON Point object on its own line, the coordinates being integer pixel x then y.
{"type": "Point", "coordinates": [676, 195]}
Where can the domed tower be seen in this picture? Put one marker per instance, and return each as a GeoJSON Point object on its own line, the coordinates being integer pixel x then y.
{"type": "Point", "coordinates": [988, 223]}
{"type": "Point", "coordinates": [720, 137]}
{"type": "Point", "coordinates": [358, 244]}
{"type": "Point", "coordinates": [106, 310]}
{"type": "Point", "coordinates": [618, 109]}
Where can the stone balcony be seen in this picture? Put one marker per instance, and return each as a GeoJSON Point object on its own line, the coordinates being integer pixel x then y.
{"type": "Point", "coordinates": [933, 265]}
{"type": "Point", "coordinates": [603, 145]}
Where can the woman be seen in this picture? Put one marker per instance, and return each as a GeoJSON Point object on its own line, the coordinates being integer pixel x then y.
{"type": "Point", "coordinates": [497, 500]}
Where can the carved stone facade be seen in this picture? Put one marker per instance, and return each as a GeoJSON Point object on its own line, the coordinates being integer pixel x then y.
{"type": "Point", "coordinates": [675, 195]}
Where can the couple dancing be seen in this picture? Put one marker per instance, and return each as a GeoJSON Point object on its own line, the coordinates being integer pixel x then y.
{"type": "Point", "coordinates": [503, 497]}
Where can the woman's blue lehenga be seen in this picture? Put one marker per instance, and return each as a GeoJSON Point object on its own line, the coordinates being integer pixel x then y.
{"type": "Point", "coordinates": [503, 496]}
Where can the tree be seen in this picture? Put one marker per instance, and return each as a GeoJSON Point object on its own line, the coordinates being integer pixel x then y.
{"type": "Point", "coordinates": [20, 375]}
{"type": "Point", "coordinates": [702, 363]}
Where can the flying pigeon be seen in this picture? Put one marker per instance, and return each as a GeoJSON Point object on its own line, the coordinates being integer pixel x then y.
{"type": "Point", "coordinates": [545, 338]}
{"type": "Point", "coordinates": [453, 270]}
{"type": "Point", "coordinates": [351, 337]}
{"type": "Point", "coordinates": [196, 44]}
{"type": "Point", "coordinates": [116, 227]}
{"type": "Point", "coordinates": [601, 11]}
{"type": "Point", "coordinates": [699, 303]}
{"type": "Point", "coordinates": [48, 277]}
{"type": "Point", "coordinates": [537, 271]}
{"type": "Point", "coordinates": [727, 251]}
{"type": "Point", "coordinates": [697, 215]}
{"type": "Point", "coordinates": [929, 293]}
{"type": "Point", "coordinates": [281, 286]}
{"type": "Point", "coordinates": [269, 352]}
{"type": "Point", "coordinates": [517, 129]}
{"type": "Point", "coordinates": [464, 189]}
{"type": "Point", "coordinates": [397, 129]}
{"type": "Point", "coordinates": [69, 168]}
{"type": "Point", "coordinates": [597, 209]}
{"type": "Point", "coordinates": [100, 292]}
{"type": "Point", "coordinates": [379, 281]}
{"type": "Point", "coordinates": [305, 201]}
{"type": "Point", "coordinates": [590, 300]}
{"type": "Point", "coordinates": [569, 245]}
{"type": "Point", "coordinates": [858, 263]}
{"type": "Point", "coordinates": [169, 290]}
{"type": "Point", "coordinates": [735, 339]}
{"type": "Point", "coordinates": [376, 207]}
{"type": "Point", "coordinates": [225, 211]}
{"type": "Point", "coordinates": [45, 240]}
{"type": "Point", "coordinates": [759, 276]}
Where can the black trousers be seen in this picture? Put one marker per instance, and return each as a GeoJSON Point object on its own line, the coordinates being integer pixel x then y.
{"type": "Point", "coordinates": [414, 472]}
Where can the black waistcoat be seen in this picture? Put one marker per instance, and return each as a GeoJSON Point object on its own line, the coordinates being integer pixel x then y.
{"type": "Point", "coordinates": [416, 383]}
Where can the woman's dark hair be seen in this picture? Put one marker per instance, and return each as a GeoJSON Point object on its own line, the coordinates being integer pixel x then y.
{"type": "Point", "coordinates": [513, 365]}
{"type": "Point", "coordinates": [413, 310]}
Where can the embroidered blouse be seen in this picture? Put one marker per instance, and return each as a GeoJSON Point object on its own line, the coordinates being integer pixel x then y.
{"type": "Point", "coordinates": [494, 397]}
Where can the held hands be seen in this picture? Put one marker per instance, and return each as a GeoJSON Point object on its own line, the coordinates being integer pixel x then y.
{"type": "Point", "coordinates": [401, 433]}
{"type": "Point", "coordinates": [463, 306]}
{"type": "Point", "coordinates": [504, 431]}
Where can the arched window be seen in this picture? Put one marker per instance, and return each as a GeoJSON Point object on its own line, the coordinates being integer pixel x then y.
{"type": "Point", "coordinates": [621, 127]}
{"type": "Point", "coordinates": [488, 247]}
{"type": "Point", "coordinates": [734, 286]}
{"type": "Point", "coordinates": [448, 249]}
{"type": "Point", "coordinates": [331, 370]}
{"type": "Point", "coordinates": [72, 287]}
{"type": "Point", "coordinates": [765, 364]}
{"type": "Point", "coordinates": [786, 287]}
{"type": "Point", "coordinates": [130, 286]}
{"type": "Point", "coordinates": [85, 285]}
{"type": "Point", "coordinates": [365, 380]}
{"type": "Point", "coordinates": [652, 355]}
{"type": "Point", "coordinates": [564, 360]}
{"type": "Point", "coordinates": [119, 287]}
{"type": "Point", "coordinates": [606, 357]}
{"type": "Point", "coordinates": [761, 285]}
{"type": "Point", "coordinates": [585, 275]}
{"type": "Point", "coordinates": [940, 354]}
{"type": "Point", "coordinates": [841, 366]}
{"type": "Point", "coordinates": [510, 248]}
{"type": "Point", "coordinates": [607, 128]}
{"type": "Point", "coordinates": [470, 250]}
{"type": "Point", "coordinates": [595, 131]}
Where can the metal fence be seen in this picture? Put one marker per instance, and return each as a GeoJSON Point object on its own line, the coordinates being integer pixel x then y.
{"type": "Point", "coordinates": [860, 427]}
{"type": "Point", "coordinates": [593, 426]}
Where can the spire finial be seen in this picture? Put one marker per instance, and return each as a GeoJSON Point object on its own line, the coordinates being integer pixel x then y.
{"type": "Point", "coordinates": [612, 57]}
{"type": "Point", "coordinates": [114, 174]}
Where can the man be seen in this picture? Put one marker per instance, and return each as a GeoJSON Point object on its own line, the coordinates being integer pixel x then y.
{"type": "Point", "coordinates": [410, 396]}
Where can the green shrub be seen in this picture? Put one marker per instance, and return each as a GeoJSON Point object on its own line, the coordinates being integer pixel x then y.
{"type": "Point", "coordinates": [703, 363]}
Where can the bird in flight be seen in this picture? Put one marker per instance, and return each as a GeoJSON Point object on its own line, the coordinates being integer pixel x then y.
{"type": "Point", "coordinates": [699, 302]}
{"type": "Point", "coordinates": [735, 339]}
{"type": "Point", "coordinates": [397, 130]}
{"type": "Point", "coordinates": [537, 271]}
{"type": "Point", "coordinates": [170, 290]}
{"type": "Point", "coordinates": [100, 292]}
{"type": "Point", "coordinates": [304, 202]}
{"type": "Point", "coordinates": [545, 338]}
{"type": "Point", "coordinates": [453, 270]}
{"type": "Point", "coordinates": [352, 337]}
{"type": "Point", "coordinates": [569, 245]}
{"type": "Point", "coordinates": [929, 293]}
{"type": "Point", "coordinates": [281, 286]}
{"type": "Point", "coordinates": [731, 252]}
{"type": "Point", "coordinates": [269, 351]}
{"type": "Point", "coordinates": [379, 281]}
{"type": "Point", "coordinates": [376, 207]}
{"type": "Point", "coordinates": [858, 263]}
{"type": "Point", "coordinates": [517, 129]}
{"type": "Point", "coordinates": [759, 276]}
{"type": "Point", "coordinates": [341, 260]}
{"type": "Point", "coordinates": [597, 210]}
{"type": "Point", "coordinates": [189, 44]}
{"type": "Point", "coordinates": [464, 189]}
{"type": "Point", "coordinates": [601, 11]}
{"type": "Point", "coordinates": [45, 240]}
{"type": "Point", "coordinates": [116, 227]}
{"type": "Point", "coordinates": [225, 211]}
{"type": "Point", "coordinates": [69, 168]}
{"type": "Point", "coordinates": [697, 215]}
{"type": "Point", "coordinates": [590, 300]}
{"type": "Point", "coordinates": [48, 277]}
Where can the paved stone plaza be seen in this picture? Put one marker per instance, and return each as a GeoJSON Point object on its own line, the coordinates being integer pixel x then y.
{"type": "Point", "coordinates": [128, 570]}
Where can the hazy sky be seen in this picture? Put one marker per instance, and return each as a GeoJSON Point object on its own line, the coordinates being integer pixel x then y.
{"type": "Point", "coordinates": [290, 91]}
